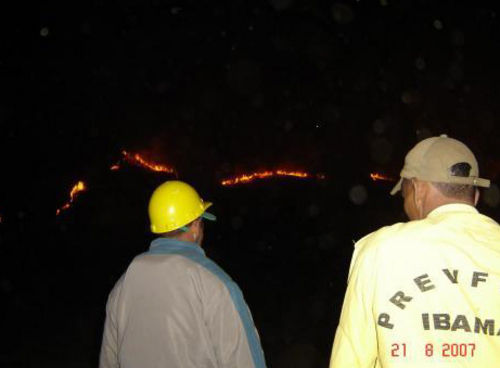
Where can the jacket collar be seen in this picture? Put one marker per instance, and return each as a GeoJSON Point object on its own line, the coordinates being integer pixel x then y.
{"type": "Point", "coordinates": [452, 207]}
{"type": "Point", "coordinates": [166, 245]}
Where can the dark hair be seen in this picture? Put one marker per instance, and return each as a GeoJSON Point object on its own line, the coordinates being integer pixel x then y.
{"type": "Point", "coordinates": [458, 191]}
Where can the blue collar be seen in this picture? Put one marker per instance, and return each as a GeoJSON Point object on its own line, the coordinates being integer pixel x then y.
{"type": "Point", "coordinates": [166, 245]}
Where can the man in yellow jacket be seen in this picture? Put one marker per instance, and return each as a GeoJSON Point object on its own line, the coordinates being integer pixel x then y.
{"type": "Point", "coordinates": [426, 293]}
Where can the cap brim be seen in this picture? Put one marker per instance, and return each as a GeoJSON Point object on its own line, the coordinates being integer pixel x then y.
{"type": "Point", "coordinates": [397, 187]}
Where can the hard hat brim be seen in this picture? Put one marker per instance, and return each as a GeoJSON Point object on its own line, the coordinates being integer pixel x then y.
{"type": "Point", "coordinates": [207, 215]}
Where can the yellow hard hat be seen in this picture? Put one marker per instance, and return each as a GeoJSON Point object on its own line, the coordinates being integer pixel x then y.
{"type": "Point", "coordinates": [175, 204]}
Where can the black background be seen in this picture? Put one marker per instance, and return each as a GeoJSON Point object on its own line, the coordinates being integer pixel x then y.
{"type": "Point", "coordinates": [216, 89]}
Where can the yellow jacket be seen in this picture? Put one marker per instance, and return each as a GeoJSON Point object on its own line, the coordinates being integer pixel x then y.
{"type": "Point", "coordinates": [424, 294]}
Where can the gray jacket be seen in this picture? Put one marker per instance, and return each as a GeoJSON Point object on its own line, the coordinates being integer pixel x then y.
{"type": "Point", "coordinates": [174, 307]}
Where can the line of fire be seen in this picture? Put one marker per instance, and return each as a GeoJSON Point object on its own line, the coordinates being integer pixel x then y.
{"type": "Point", "coordinates": [138, 160]}
{"type": "Point", "coordinates": [380, 177]}
{"type": "Point", "coordinates": [250, 177]}
{"type": "Point", "coordinates": [246, 178]}
{"type": "Point", "coordinates": [77, 188]}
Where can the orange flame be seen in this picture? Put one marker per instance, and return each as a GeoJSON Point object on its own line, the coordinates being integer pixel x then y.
{"type": "Point", "coordinates": [77, 188]}
{"type": "Point", "coordinates": [138, 160]}
{"type": "Point", "coordinates": [247, 178]}
{"type": "Point", "coordinates": [378, 177]}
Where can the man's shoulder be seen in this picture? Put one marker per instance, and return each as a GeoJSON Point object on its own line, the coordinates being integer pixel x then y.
{"type": "Point", "coordinates": [183, 260]}
{"type": "Point", "coordinates": [188, 268]}
{"type": "Point", "coordinates": [392, 234]}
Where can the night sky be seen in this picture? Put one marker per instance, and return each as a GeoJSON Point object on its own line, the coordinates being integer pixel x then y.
{"type": "Point", "coordinates": [217, 89]}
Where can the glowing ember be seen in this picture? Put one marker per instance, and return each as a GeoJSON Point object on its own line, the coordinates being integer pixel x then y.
{"type": "Point", "coordinates": [247, 178]}
{"type": "Point", "coordinates": [77, 188]}
{"type": "Point", "coordinates": [378, 177]}
{"type": "Point", "coordinates": [138, 160]}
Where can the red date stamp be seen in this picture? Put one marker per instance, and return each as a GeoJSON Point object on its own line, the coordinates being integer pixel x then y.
{"type": "Point", "coordinates": [398, 350]}
{"type": "Point", "coordinates": [453, 350]}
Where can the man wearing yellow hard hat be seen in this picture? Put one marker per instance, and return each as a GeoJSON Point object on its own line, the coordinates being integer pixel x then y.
{"type": "Point", "coordinates": [174, 307]}
{"type": "Point", "coordinates": [426, 293]}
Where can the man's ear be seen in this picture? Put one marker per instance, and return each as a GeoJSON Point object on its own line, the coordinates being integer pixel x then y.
{"type": "Point", "coordinates": [420, 191]}
{"type": "Point", "coordinates": [196, 224]}
{"type": "Point", "coordinates": [415, 184]}
{"type": "Point", "coordinates": [477, 194]}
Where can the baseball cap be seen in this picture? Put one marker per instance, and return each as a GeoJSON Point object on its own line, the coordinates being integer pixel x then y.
{"type": "Point", "coordinates": [432, 160]}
